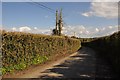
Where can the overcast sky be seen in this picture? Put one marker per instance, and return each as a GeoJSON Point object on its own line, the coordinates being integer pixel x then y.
{"type": "Point", "coordinates": [87, 19]}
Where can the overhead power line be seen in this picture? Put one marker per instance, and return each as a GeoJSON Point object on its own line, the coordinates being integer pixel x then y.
{"type": "Point", "coordinates": [65, 24]}
{"type": "Point", "coordinates": [42, 6]}
{"type": "Point", "coordinates": [31, 3]}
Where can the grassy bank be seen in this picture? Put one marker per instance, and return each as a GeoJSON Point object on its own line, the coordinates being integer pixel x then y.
{"type": "Point", "coordinates": [20, 50]}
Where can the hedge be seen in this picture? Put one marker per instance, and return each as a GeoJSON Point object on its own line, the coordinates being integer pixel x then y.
{"type": "Point", "coordinates": [20, 50]}
{"type": "Point", "coordinates": [108, 47]}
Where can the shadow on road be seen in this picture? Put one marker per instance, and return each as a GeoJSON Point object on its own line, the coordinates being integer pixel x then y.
{"type": "Point", "coordinates": [84, 65]}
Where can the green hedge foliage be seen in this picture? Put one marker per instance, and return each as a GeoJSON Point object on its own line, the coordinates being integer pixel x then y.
{"type": "Point", "coordinates": [108, 47]}
{"type": "Point", "coordinates": [20, 50]}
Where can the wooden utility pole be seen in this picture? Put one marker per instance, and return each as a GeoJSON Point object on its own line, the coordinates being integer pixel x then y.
{"type": "Point", "coordinates": [59, 23]}
{"type": "Point", "coordinates": [57, 28]}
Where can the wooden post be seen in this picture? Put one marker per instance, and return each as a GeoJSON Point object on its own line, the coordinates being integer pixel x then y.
{"type": "Point", "coordinates": [57, 29]}
{"type": "Point", "coordinates": [60, 22]}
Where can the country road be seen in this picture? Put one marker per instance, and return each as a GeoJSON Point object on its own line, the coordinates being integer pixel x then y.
{"type": "Point", "coordinates": [83, 64]}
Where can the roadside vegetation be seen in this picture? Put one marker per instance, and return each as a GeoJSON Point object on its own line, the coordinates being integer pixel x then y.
{"type": "Point", "coordinates": [108, 48]}
{"type": "Point", "coordinates": [20, 50]}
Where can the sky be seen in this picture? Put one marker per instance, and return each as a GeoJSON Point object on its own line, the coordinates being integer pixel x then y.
{"type": "Point", "coordinates": [86, 19]}
{"type": "Point", "coordinates": [60, 0]}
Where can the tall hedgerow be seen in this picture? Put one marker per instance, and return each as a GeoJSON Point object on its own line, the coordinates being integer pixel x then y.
{"type": "Point", "coordinates": [109, 48]}
{"type": "Point", "coordinates": [19, 50]}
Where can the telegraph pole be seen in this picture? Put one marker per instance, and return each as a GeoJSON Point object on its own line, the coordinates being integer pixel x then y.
{"type": "Point", "coordinates": [57, 28]}
{"type": "Point", "coordinates": [59, 23]}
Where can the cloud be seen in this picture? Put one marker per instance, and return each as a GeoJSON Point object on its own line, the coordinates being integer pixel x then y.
{"type": "Point", "coordinates": [83, 31]}
{"type": "Point", "coordinates": [24, 29]}
{"type": "Point", "coordinates": [31, 30]}
{"type": "Point", "coordinates": [14, 29]}
{"type": "Point", "coordinates": [35, 27]}
{"type": "Point", "coordinates": [42, 31]}
{"type": "Point", "coordinates": [21, 29]}
{"type": "Point", "coordinates": [110, 27]}
{"type": "Point", "coordinates": [87, 14]}
{"type": "Point", "coordinates": [102, 9]}
{"type": "Point", "coordinates": [97, 30]}
{"type": "Point", "coordinates": [79, 30]}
